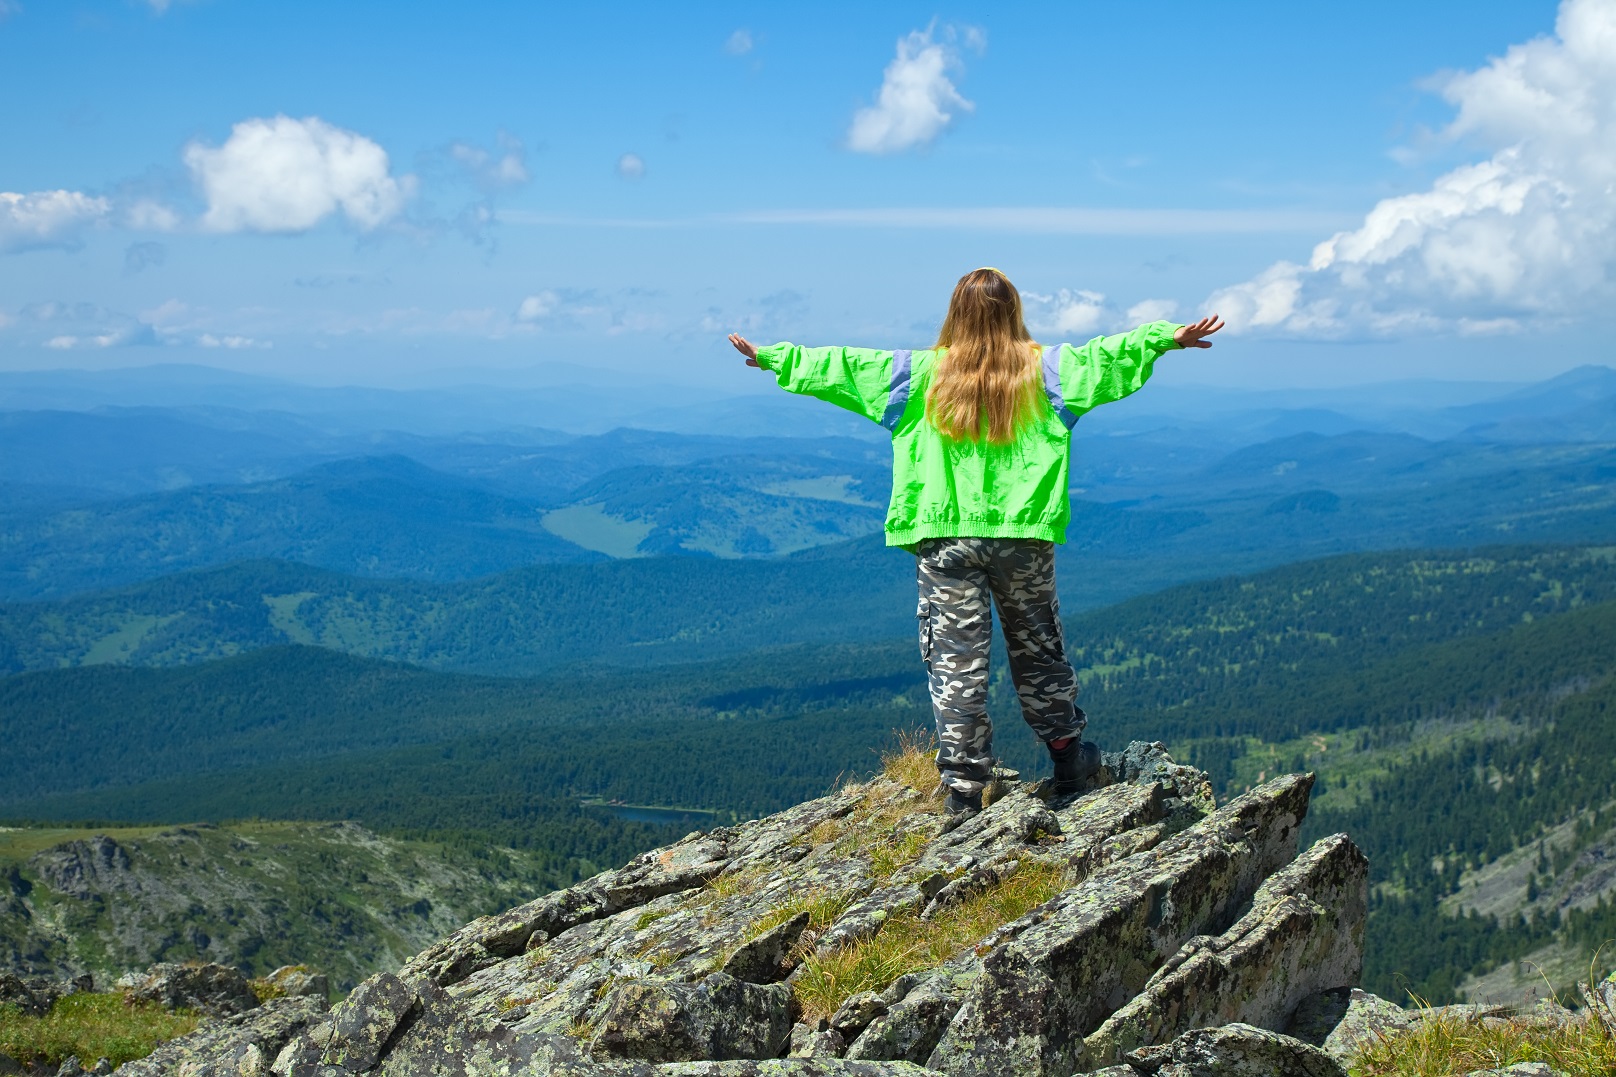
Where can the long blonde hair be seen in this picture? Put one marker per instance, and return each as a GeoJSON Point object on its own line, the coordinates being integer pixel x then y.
{"type": "Point", "coordinates": [988, 365]}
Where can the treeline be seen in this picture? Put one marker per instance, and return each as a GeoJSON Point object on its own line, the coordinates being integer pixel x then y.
{"type": "Point", "coordinates": [1474, 688]}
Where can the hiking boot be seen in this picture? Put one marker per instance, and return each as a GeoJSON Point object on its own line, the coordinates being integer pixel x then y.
{"type": "Point", "coordinates": [1075, 764]}
{"type": "Point", "coordinates": [959, 803]}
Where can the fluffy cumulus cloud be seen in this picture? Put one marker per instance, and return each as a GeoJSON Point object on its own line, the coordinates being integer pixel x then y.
{"type": "Point", "coordinates": [1076, 314]}
{"type": "Point", "coordinates": [286, 175]}
{"type": "Point", "coordinates": [918, 99]}
{"type": "Point", "coordinates": [47, 218]}
{"type": "Point", "coordinates": [1526, 235]}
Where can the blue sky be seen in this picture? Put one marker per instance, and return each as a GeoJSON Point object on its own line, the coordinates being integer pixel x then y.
{"type": "Point", "coordinates": [403, 194]}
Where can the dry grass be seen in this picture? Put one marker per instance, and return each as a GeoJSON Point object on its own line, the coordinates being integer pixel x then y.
{"type": "Point", "coordinates": [913, 762]}
{"type": "Point", "coordinates": [1441, 1046]}
{"type": "Point", "coordinates": [91, 1026]}
{"type": "Point", "coordinates": [906, 943]}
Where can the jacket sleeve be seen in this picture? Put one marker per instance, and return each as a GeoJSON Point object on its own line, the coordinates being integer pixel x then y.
{"type": "Point", "coordinates": [858, 379]}
{"type": "Point", "coordinates": [1109, 368]}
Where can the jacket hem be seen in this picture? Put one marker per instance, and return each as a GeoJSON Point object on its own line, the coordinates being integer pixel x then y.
{"type": "Point", "coordinates": [909, 536]}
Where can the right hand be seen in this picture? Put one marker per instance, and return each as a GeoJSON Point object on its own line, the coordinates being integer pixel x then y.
{"type": "Point", "coordinates": [1193, 336]}
{"type": "Point", "coordinates": [745, 347]}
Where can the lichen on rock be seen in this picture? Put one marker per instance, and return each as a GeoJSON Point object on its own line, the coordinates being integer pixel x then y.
{"type": "Point", "coordinates": [868, 933]}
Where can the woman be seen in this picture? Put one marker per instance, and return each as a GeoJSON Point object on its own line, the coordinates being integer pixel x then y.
{"type": "Point", "coordinates": [981, 430]}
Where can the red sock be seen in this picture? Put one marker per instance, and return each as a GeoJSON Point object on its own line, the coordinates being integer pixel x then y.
{"type": "Point", "coordinates": [1060, 745]}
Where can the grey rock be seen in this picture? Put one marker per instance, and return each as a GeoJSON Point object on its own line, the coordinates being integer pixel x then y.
{"type": "Point", "coordinates": [102, 1067]}
{"type": "Point", "coordinates": [1303, 935]}
{"type": "Point", "coordinates": [1320, 1014]}
{"type": "Point", "coordinates": [912, 1025]}
{"type": "Point", "coordinates": [9, 1065]}
{"type": "Point", "coordinates": [297, 980]}
{"type": "Point", "coordinates": [1236, 1050]}
{"type": "Point", "coordinates": [1600, 999]}
{"type": "Point", "coordinates": [695, 958]}
{"type": "Point", "coordinates": [718, 1018]}
{"type": "Point", "coordinates": [1368, 1019]}
{"type": "Point", "coordinates": [763, 959]}
{"type": "Point", "coordinates": [795, 1067]}
{"type": "Point", "coordinates": [71, 1068]}
{"type": "Point", "coordinates": [214, 989]}
{"type": "Point", "coordinates": [35, 995]}
{"type": "Point", "coordinates": [1519, 1069]}
{"type": "Point", "coordinates": [1072, 962]}
{"type": "Point", "coordinates": [365, 1021]}
{"type": "Point", "coordinates": [242, 1045]}
{"type": "Point", "coordinates": [855, 1015]}
{"type": "Point", "coordinates": [807, 1042]}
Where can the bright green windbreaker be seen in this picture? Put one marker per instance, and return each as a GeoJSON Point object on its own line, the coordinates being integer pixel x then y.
{"type": "Point", "coordinates": [943, 488]}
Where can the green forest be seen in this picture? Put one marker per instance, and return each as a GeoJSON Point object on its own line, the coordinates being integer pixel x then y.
{"type": "Point", "coordinates": [1455, 706]}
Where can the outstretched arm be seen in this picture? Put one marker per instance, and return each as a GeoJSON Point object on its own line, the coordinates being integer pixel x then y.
{"type": "Point", "coordinates": [858, 379]}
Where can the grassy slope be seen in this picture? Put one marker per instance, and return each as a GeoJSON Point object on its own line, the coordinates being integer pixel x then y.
{"type": "Point", "coordinates": [256, 895]}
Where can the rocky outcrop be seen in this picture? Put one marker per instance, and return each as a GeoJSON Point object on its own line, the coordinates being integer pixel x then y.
{"type": "Point", "coordinates": [867, 933]}
{"type": "Point", "coordinates": [35, 995]}
{"type": "Point", "coordinates": [217, 990]}
{"type": "Point", "coordinates": [241, 1045]}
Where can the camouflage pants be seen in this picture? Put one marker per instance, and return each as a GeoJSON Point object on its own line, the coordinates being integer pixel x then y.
{"type": "Point", "coordinates": [958, 578]}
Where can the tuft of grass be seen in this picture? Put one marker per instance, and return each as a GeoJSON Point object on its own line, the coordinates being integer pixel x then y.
{"type": "Point", "coordinates": [91, 1026]}
{"type": "Point", "coordinates": [1442, 1045]}
{"type": "Point", "coordinates": [906, 943]}
{"type": "Point", "coordinates": [913, 762]}
{"type": "Point", "coordinates": [896, 852]}
{"type": "Point", "coordinates": [646, 919]}
{"type": "Point", "coordinates": [580, 1028]}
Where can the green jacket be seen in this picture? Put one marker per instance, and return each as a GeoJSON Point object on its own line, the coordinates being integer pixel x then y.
{"type": "Point", "coordinates": [943, 488]}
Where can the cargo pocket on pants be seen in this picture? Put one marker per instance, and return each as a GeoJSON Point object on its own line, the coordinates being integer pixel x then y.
{"type": "Point", "coordinates": [923, 618]}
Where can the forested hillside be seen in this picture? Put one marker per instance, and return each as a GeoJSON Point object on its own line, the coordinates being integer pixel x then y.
{"type": "Point", "coordinates": [1431, 692]}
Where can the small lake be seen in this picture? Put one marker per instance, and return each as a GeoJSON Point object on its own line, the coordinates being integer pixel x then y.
{"type": "Point", "coordinates": [644, 813]}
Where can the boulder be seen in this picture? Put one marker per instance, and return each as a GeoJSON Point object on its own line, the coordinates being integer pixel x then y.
{"type": "Point", "coordinates": [1303, 935]}
{"type": "Point", "coordinates": [1096, 946]}
{"type": "Point", "coordinates": [718, 1018]}
{"type": "Point", "coordinates": [242, 1045]}
{"type": "Point", "coordinates": [1236, 1050]}
{"type": "Point", "coordinates": [213, 989]}
{"type": "Point", "coordinates": [35, 995]}
{"type": "Point", "coordinates": [298, 980]}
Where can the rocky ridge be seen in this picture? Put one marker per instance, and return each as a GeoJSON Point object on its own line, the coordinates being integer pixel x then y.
{"type": "Point", "coordinates": [868, 933]}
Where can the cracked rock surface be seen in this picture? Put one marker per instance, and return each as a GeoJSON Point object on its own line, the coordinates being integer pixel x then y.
{"type": "Point", "coordinates": [868, 933]}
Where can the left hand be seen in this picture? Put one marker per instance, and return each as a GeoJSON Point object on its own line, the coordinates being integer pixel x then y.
{"type": "Point", "coordinates": [745, 347]}
{"type": "Point", "coordinates": [1192, 336]}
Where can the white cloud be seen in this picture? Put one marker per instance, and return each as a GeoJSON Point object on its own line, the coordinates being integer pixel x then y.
{"type": "Point", "coordinates": [286, 175]}
{"type": "Point", "coordinates": [1074, 314]}
{"type": "Point", "coordinates": [147, 215]}
{"type": "Point", "coordinates": [47, 218]}
{"type": "Point", "coordinates": [739, 43]}
{"type": "Point", "coordinates": [916, 97]}
{"type": "Point", "coordinates": [61, 326]}
{"type": "Point", "coordinates": [630, 166]}
{"type": "Point", "coordinates": [1528, 234]}
{"type": "Point", "coordinates": [234, 343]}
{"type": "Point", "coordinates": [1150, 310]}
{"type": "Point", "coordinates": [505, 166]}
{"type": "Point", "coordinates": [538, 307]}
